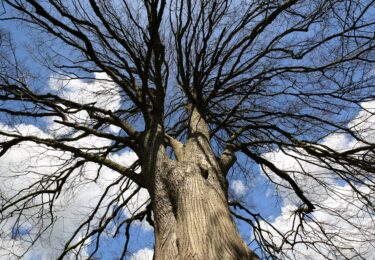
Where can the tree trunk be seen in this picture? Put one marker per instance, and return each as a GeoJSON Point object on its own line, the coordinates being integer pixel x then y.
{"type": "Point", "coordinates": [192, 218]}
{"type": "Point", "coordinates": [189, 198]}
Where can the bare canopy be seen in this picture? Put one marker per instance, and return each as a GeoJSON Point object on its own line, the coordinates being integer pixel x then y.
{"type": "Point", "coordinates": [197, 90]}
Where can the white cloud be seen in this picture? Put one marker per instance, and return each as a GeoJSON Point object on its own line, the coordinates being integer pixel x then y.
{"type": "Point", "coordinates": [364, 123]}
{"type": "Point", "coordinates": [339, 223]}
{"type": "Point", "coordinates": [238, 187]}
{"type": "Point", "coordinates": [143, 254]}
{"type": "Point", "coordinates": [101, 93]}
{"type": "Point", "coordinates": [341, 212]}
{"type": "Point", "coordinates": [23, 165]}
{"type": "Point", "coordinates": [26, 164]}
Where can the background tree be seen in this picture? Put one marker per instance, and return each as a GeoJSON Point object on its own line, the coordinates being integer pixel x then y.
{"type": "Point", "coordinates": [195, 89]}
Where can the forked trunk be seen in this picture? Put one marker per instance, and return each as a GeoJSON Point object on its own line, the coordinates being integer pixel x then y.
{"type": "Point", "coordinates": [192, 218]}
{"type": "Point", "coordinates": [189, 197]}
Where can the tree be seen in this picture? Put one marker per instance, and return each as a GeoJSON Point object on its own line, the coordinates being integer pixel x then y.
{"type": "Point", "coordinates": [202, 88]}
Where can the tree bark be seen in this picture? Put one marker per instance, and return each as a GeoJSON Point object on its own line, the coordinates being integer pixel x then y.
{"type": "Point", "coordinates": [191, 213]}
{"type": "Point", "coordinates": [189, 198]}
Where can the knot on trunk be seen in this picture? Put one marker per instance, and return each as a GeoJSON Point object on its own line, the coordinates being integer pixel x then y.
{"type": "Point", "coordinates": [180, 171]}
{"type": "Point", "coordinates": [205, 170]}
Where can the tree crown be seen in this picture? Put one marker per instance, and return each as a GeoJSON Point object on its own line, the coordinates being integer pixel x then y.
{"type": "Point", "coordinates": [254, 78]}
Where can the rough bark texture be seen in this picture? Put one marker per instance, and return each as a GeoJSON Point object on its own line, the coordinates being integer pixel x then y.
{"type": "Point", "coordinates": [192, 218]}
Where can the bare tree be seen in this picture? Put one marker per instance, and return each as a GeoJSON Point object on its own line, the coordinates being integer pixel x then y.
{"type": "Point", "coordinates": [201, 83]}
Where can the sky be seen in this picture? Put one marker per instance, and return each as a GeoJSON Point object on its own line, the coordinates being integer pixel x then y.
{"type": "Point", "coordinates": [255, 190]}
